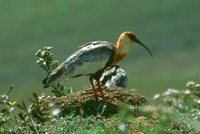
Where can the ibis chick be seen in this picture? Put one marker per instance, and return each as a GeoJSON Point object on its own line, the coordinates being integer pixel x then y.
{"type": "Point", "coordinates": [114, 76]}
{"type": "Point", "coordinates": [91, 59]}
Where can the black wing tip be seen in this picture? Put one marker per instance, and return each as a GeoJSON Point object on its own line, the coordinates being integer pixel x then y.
{"type": "Point", "coordinates": [44, 82]}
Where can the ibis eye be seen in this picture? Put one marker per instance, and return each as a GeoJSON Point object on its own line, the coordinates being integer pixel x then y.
{"type": "Point", "coordinates": [132, 36]}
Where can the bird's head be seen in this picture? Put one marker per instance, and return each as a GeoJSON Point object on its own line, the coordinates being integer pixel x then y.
{"type": "Point", "coordinates": [128, 38]}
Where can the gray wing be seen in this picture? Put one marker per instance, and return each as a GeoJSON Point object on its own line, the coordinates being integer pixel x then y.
{"type": "Point", "coordinates": [94, 43]}
{"type": "Point", "coordinates": [87, 60]}
{"type": "Point", "coordinates": [90, 58]}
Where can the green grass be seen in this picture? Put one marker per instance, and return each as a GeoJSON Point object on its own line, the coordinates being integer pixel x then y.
{"type": "Point", "coordinates": [168, 28]}
{"type": "Point", "coordinates": [172, 111]}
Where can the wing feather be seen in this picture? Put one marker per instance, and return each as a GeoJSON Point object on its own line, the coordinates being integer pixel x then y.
{"type": "Point", "coordinates": [89, 59]}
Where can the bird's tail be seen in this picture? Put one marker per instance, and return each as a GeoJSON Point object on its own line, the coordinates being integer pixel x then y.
{"type": "Point", "coordinates": [45, 82]}
{"type": "Point", "coordinates": [53, 77]}
{"type": "Point", "coordinates": [57, 75]}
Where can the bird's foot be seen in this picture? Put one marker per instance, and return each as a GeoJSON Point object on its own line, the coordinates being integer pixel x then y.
{"type": "Point", "coordinates": [99, 95]}
{"type": "Point", "coordinates": [105, 99]}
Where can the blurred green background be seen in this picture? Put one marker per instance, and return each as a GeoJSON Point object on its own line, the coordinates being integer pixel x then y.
{"type": "Point", "coordinates": [170, 28]}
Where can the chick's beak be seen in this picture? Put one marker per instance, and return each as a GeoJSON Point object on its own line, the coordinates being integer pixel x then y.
{"type": "Point", "coordinates": [139, 42]}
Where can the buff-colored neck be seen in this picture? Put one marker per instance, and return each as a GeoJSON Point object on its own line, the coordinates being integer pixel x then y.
{"type": "Point", "coordinates": [121, 51]}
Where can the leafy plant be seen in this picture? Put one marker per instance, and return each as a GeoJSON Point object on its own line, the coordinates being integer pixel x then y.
{"type": "Point", "coordinates": [183, 100]}
{"type": "Point", "coordinates": [46, 61]}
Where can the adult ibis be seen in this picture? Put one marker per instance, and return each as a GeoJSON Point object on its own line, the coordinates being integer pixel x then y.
{"type": "Point", "coordinates": [91, 59]}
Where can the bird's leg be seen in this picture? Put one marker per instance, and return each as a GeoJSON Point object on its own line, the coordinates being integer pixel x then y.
{"type": "Point", "coordinates": [111, 101]}
{"type": "Point", "coordinates": [93, 88]}
{"type": "Point", "coordinates": [100, 88]}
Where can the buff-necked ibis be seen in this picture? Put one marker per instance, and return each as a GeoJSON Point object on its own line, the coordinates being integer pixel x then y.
{"type": "Point", "coordinates": [92, 58]}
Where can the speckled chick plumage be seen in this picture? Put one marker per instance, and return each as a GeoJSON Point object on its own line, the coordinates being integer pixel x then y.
{"type": "Point", "coordinates": [114, 76]}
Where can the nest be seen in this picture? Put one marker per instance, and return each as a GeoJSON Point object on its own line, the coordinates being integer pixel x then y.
{"type": "Point", "coordinates": [85, 103]}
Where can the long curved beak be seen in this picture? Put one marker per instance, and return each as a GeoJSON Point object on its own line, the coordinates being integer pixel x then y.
{"type": "Point", "coordinates": [139, 42]}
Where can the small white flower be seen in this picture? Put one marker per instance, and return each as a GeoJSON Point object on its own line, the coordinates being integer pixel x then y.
{"type": "Point", "coordinates": [43, 53]}
{"type": "Point", "coordinates": [179, 105]}
{"type": "Point", "coordinates": [149, 108]}
{"type": "Point", "coordinates": [156, 96]}
{"type": "Point", "coordinates": [49, 48]}
{"type": "Point", "coordinates": [197, 86]}
{"type": "Point", "coordinates": [11, 109]}
{"type": "Point", "coordinates": [197, 101]}
{"type": "Point", "coordinates": [40, 60]}
{"type": "Point", "coordinates": [56, 112]}
{"type": "Point", "coordinates": [171, 91]}
{"type": "Point", "coordinates": [42, 96]}
{"type": "Point", "coordinates": [44, 63]}
{"type": "Point", "coordinates": [122, 127]}
{"type": "Point", "coordinates": [4, 96]}
{"type": "Point", "coordinates": [190, 84]}
{"type": "Point", "coordinates": [38, 52]}
{"type": "Point", "coordinates": [196, 118]}
{"type": "Point", "coordinates": [187, 91]}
